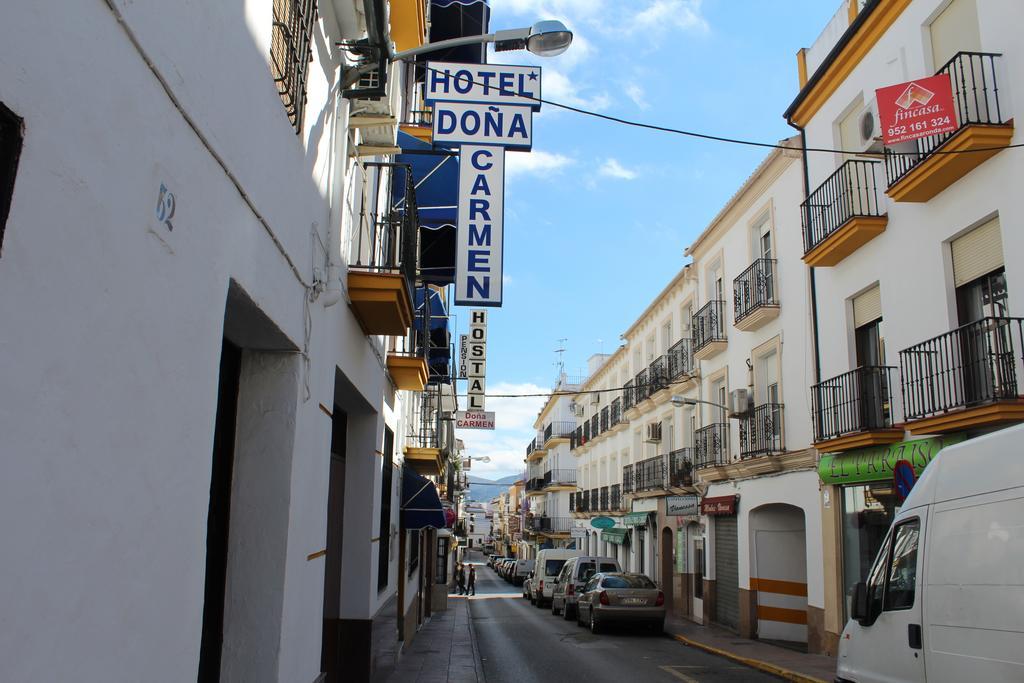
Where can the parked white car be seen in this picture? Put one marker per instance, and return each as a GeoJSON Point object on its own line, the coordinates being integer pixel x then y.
{"type": "Point", "coordinates": [574, 575]}
{"type": "Point", "coordinates": [944, 600]}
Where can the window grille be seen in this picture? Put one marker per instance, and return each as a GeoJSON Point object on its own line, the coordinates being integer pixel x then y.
{"type": "Point", "coordinates": [291, 53]}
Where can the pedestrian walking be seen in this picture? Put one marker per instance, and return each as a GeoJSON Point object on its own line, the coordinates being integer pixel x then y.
{"type": "Point", "coordinates": [460, 580]}
{"type": "Point", "coordinates": [472, 580]}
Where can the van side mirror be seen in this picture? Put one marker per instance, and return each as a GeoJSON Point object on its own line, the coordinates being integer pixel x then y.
{"type": "Point", "coordinates": [860, 610]}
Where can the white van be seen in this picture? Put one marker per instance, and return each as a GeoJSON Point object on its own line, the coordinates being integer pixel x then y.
{"type": "Point", "coordinates": [545, 572]}
{"type": "Point", "coordinates": [944, 600]}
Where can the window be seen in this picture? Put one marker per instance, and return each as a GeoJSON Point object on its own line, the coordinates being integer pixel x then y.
{"type": "Point", "coordinates": [627, 582]}
{"type": "Point", "coordinates": [290, 54]}
{"type": "Point", "coordinates": [553, 567]}
{"type": "Point", "coordinates": [11, 134]}
{"type": "Point", "coordinates": [954, 30]}
{"type": "Point", "coordinates": [901, 581]}
{"type": "Point", "coordinates": [384, 526]}
{"type": "Point", "coordinates": [414, 551]}
{"type": "Point", "coordinates": [868, 511]}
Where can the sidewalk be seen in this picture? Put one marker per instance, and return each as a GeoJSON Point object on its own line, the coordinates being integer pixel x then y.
{"type": "Point", "coordinates": [787, 664]}
{"type": "Point", "coordinates": [443, 651]}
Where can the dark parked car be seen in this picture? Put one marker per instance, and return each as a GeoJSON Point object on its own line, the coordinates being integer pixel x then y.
{"type": "Point", "coordinates": [620, 597]}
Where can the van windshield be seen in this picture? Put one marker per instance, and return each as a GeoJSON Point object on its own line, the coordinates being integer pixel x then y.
{"type": "Point", "coordinates": [609, 567]}
{"type": "Point", "coordinates": [552, 567]}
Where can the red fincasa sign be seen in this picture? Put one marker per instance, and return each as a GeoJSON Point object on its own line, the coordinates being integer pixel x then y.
{"type": "Point", "coordinates": [719, 505]}
{"type": "Point", "coordinates": [917, 109]}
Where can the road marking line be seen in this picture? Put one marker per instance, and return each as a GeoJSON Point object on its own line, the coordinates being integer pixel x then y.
{"type": "Point", "coordinates": [678, 674]}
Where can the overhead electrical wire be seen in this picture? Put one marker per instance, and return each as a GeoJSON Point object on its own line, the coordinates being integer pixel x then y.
{"type": "Point", "coordinates": [580, 392]}
{"type": "Point", "coordinates": [708, 136]}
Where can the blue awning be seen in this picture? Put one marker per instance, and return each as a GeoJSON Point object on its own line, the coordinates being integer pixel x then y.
{"type": "Point", "coordinates": [436, 177]}
{"type": "Point", "coordinates": [421, 506]}
{"type": "Point", "coordinates": [457, 19]}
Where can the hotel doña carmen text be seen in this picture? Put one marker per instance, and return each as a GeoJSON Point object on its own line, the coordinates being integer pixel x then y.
{"type": "Point", "coordinates": [483, 109]}
{"type": "Point", "coordinates": [476, 362]}
{"type": "Point", "coordinates": [467, 419]}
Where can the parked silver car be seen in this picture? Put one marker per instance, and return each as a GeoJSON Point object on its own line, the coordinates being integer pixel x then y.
{"type": "Point", "coordinates": [620, 597]}
{"type": "Point", "coordinates": [574, 575]}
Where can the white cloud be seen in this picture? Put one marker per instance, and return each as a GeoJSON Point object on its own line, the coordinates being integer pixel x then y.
{"type": "Point", "coordinates": [661, 15]}
{"type": "Point", "coordinates": [637, 94]}
{"type": "Point", "coordinates": [537, 163]}
{"type": "Point", "coordinates": [557, 87]}
{"type": "Point", "coordinates": [613, 169]}
{"type": "Point", "coordinates": [506, 444]}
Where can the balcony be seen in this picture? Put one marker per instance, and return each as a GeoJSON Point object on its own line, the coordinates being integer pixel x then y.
{"type": "Point", "coordinates": [641, 387]}
{"type": "Point", "coordinates": [711, 445]}
{"type": "Point", "coordinates": [549, 525]}
{"type": "Point", "coordinates": [680, 360]}
{"type": "Point", "coordinates": [375, 107]}
{"type": "Point", "coordinates": [929, 168]}
{"type": "Point", "coordinates": [964, 379]}
{"type": "Point", "coordinates": [680, 468]}
{"type": "Point", "coordinates": [761, 433]}
{"type": "Point", "coordinates": [628, 396]}
{"type": "Point", "coordinates": [382, 270]}
{"type": "Point", "coordinates": [843, 214]}
{"type": "Point", "coordinates": [595, 426]}
{"type": "Point", "coordinates": [604, 499]}
{"type": "Point", "coordinates": [420, 125]}
{"type": "Point", "coordinates": [650, 474]}
{"type": "Point", "coordinates": [615, 498]}
{"type": "Point", "coordinates": [755, 295]}
{"type": "Point", "coordinates": [854, 410]}
{"type": "Point", "coordinates": [595, 500]}
{"type": "Point", "coordinates": [534, 485]}
{"type": "Point", "coordinates": [604, 419]}
{"type": "Point", "coordinates": [558, 430]}
{"type": "Point", "coordinates": [582, 501]}
{"type": "Point", "coordinates": [627, 479]}
{"type": "Point", "coordinates": [615, 413]}
{"type": "Point", "coordinates": [709, 330]}
{"type": "Point", "coordinates": [657, 375]}
{"type": "Point", "coordinates": [555, 479]}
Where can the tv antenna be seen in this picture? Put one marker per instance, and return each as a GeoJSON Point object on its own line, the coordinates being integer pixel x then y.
{"type": "Point", "coordinates": [560, 352]}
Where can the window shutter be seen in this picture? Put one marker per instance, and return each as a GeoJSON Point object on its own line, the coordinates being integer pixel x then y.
{"type": "Point", "coordinates": [955, 29]}
{"type": "Point", "coordinates": [977, 253]}
{"type": "Point", "coordinates": [867, 307]}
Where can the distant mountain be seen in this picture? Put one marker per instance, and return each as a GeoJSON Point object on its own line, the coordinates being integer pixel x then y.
{"type": "Point", "coordinates": [483, 490]}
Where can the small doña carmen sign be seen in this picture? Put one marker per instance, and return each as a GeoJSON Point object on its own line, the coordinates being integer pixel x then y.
{"type": "Point", "coordinates": [474, 420]}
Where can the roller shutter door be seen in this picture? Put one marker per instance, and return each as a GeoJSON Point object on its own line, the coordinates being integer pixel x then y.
{"type": "Point", "coordinates": [727, 574]}
{"type": "Point", "coordinates": [977, 253]}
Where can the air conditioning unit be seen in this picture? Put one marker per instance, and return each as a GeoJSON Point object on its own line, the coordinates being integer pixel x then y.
{"type": "Point", "coordinates": [741, 403]}
{"type": "Point", "coordinates": [653, 433]}
{"type": "Point", "coordinates": [595, 399]}
{"type": "Point", "coordinates": [868, 129]}
{"type": "Point", "coordinates": [685, 327]}
{"type": "Point", "coordinates": [577, 409]}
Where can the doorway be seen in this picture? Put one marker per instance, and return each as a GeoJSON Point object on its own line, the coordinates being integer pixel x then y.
{"type": "Point", "coordinates": [697, 610]}
{"type": "Point", "coordinates": [667, 573]}
{"type": "Point", "coordinates": [218, 517]}
{"type": "Point", "coordinates": [330, 646]}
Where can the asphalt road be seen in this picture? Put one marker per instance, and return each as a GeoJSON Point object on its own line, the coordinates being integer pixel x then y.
{"type": "Point", "coordinates": [520, 643]}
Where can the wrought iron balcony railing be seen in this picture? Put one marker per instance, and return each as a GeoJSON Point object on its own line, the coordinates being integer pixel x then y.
{"type": "Point", "coordinates": [855, 401]}
{"type": "Point", "coordinates": [535, 484]}
{"type": "Point", "coordinates": [650, 474]}
{"type": "Point", "coordinates": [627, 479]}
{"type": "Point", "coordinates": [595, 426]}
{"type": "Point", "coordinates": [615, 498]}
{"type": "Point", "coordinates": [595, 499]}
{"type": "Point", "coordinates": [975, 364]}
{"type": "Point", "coordinates": [761, 433]}
{"type": "Point", "coordinates": [755, 288]}
{"type": "Point", "coordinates": [711, 445]}
{"type": "Point", "coordinates": [572, 502]}
{"type": "Point", "coordinates": [850, 192]}
{"type": "Point", "coordinates": [552, 525]}
{"type": "Point", "coordinates": [975, 99]}
{"type": "Point", "coordinates": [680, 467]}
{"type": "Point", "coordinates": [680, 359]}
{"type": "Point", "coordinates": [586, 431]}
{"type": "Point", "coordinates": [628, 396]}
{"type": "Point", "coordinates": [560, 429]}
{"type": "Point", "coordinates": [583, 501]}
{"type": "Point", "coordinates": [615, 413]}
{"type": "Point", "coordinates": [657, 374]}
{"type": "Point", "coordinates": [604, 419]}
{"type": "Point", "coordinates": [708, 324]}
{"type": "Point", "coordinates": [641, 388]}
{"type": "Point", "coordinates": [386, 239]}
{"type": "Point", "coordinates": [604, 498]}
{"type": "Point", "coordinates": [560, 477]}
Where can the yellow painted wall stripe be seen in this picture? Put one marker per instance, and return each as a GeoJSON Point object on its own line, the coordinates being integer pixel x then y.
{"type": "Point", "coordinates": [779, 586]}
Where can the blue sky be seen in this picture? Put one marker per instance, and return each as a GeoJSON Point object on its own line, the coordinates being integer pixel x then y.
{"type": "Point", "coordinates": [598, 214]}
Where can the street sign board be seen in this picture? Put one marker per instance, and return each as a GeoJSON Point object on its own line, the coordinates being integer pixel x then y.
{"type": "Point", "coordinates": [489, 83]}
{"type": "Point", "coordinates": [479, 234]}
{"type": "Point", "coordinates": [917, 109]}
{"type": "Point", "coordinates": [463, 355]}
{"type": "Point", "coordinates": [466, 419]}
{"type": "Point", "coordinates": [577, 532]}
{"type": "Point", "coordinates": [682, 505]}
{"type": "Point", "coordinates": [718, 505]}
{"type": "Point", "coordinates": [468, 123]}
{"type": "Point", "coordinates": [903, 479]}
{"type": "Point", "coordinates": [602, 522]}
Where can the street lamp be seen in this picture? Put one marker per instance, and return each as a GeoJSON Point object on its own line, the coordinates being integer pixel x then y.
{"type": "Point", "coordinates": [745, 399]}
{"type": "Point", "coordinates": [546, 38]}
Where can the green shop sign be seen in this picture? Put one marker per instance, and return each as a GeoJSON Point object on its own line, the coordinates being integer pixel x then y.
{"type": "Point", "coordinates": [602, 522]}
{"type": "Point", "coordinates": [876, 464]}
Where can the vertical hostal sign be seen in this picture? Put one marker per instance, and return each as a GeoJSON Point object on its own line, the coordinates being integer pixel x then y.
{"type": "Point", "coordinates": [484, 109]}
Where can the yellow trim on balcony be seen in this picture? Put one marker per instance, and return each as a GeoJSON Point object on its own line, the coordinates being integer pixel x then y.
{"type": "Point", "coordinates": [870, 32]}
{"type": "Point", "coordinates": [381, 302]}
{"type": "Point", "coordinates": [426, 461]}
{"type": "Point", "coordinates": [989, 415]}
{"type": "Point", "coordinates": [853, 235]}
{"type": "Point", "coordinates": [938, 171]}
{"type": "Point", "coordinates": [408, 372]}
{"type": "Point", "coordinates": [408, 23]}
{"type": "Point", "coordinates": [880, 437]}
{"type": "Point", "coordinates": [424, 133]}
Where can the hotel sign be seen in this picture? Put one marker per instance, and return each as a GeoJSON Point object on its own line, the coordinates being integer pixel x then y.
{"type": "Point", "coordinates": [476, 363]}
{"type": "Point", "coordinates": [917, 109]}
{"type": "Point", "coordinates": [467, 123]}
{"type": "Point", "coordinates": [466, 419]}
{"type": "Point", "coordinates": [483, 83]}
{"type": "Point", "coordinates": [479, 234]}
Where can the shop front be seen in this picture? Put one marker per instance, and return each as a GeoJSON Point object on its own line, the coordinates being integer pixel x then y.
{"type": "Point", "coordinates": [681, 532]}
{"type": "Point", "coordinates": [859, 496]}
{"type": "Point", "coordinates": [721, 600]}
